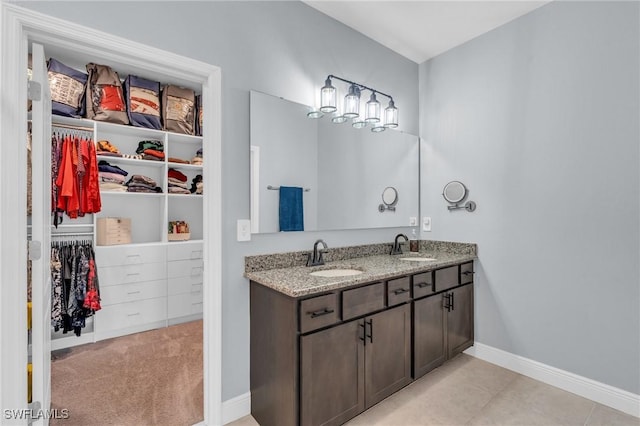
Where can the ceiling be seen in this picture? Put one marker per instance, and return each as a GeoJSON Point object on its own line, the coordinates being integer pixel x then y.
{"type": "Point", "coordinates": [422, 29]}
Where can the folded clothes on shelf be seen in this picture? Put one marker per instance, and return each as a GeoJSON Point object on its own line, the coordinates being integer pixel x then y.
{"type": "Point", "coordinates": [177, 174]}
{"type": "Point", "coordinates": [150, 144]}
{"type": "Point", "coordinates": [197, 185]}
{"type": "Point", "coordinates": [177, 160]}
{"type": "Point", "coordinates": [104, 166]}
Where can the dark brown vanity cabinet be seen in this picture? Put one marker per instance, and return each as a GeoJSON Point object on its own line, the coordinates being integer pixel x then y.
{"type": "Point", "coordinates": [323, 359]}
{"type": "Point", "coordinates": [348, 368]}
{"type": "Point", "coordinates": [443, 322]}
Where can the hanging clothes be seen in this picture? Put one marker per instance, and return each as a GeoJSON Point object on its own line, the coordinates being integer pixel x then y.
{"type": "Point", "coordinates": [74, 170]}
{"type": "Point", "coordinates": [75, 292]}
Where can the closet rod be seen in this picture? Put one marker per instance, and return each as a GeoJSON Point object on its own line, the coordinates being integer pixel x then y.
{"type": "Point", "coordinates": [72, 234]}
{"type": "Point", "coordinates": [68, 126]}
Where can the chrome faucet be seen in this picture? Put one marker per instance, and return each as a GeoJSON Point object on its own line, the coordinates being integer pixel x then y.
{"type": "Point", "coordinates": [397, 245]}
{"type": "Point", "coordinates": [315, 258]}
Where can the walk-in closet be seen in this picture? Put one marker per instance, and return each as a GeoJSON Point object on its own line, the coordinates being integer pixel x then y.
{"type": "Point", "coordinates": [117, 241]}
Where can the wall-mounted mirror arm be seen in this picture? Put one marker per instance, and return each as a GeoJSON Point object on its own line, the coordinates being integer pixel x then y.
{"type": "Point", "coordinates": [468, 206]}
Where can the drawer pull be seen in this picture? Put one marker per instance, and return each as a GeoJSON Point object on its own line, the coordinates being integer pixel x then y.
{"type": "Point", "coordinates": [400, 291]}
{"type": "Point", "coordinates": [129, 274]}
{"type": "Point", "coordinates": [196, 303]}
{"type": "Point", "coordinates": [321, 312]}
{"type": "Point", "coordinates": [134, 292]}
{"type": "Point", "coordinates": [468, 273]}
{"type": "Point", "coordinates": [133, 315]}
{"type": "Point", "coordinates": [422, 285]}
{"type": "Point", "coordinates": [196, 254]}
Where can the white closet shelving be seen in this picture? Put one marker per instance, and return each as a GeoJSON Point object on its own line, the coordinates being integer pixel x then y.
{"type": "Point", "coordinates": [151, 282]}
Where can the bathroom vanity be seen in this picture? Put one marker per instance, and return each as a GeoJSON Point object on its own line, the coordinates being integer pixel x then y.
{"type": "Point", "coordinates": [326, 348]}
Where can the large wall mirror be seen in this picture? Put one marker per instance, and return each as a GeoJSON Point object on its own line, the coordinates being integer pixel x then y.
{"type": "Point", "coordinates": [343, 172]}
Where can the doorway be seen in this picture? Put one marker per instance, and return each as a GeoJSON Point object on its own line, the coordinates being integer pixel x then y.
{"type": "Point", "coordinates": [19, 28]}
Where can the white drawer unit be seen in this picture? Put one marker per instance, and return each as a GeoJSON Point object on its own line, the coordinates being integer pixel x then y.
{"type": "Point", "coordinates": [124, 274]}
{"type": "Point", "coordinates": [184, 251]}
{"type": "Point", "coordinates": [130, 255]}
{"type": "Point", "coordinates": [185, 268]}
{"type": "Point", "coordinates": [131, 314]}
{"type": "Point", "coordinates": [184, 285]}
{"type": "Point", "coordinates": [185, 304]}
{"type": "Point", "coordinates": [113, 295]}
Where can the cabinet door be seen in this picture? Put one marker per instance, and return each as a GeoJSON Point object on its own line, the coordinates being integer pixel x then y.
{"type": "Point", "coordinates": [387, 353]}
{"type": "Point", "coordinates": [429, 335]}
{"type": "Point", "coordinates": [460, 320]}
{"type": "Point", "coordinates": [332, 375]}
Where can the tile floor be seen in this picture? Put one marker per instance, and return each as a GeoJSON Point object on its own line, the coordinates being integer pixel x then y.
{"type": "Point", "coordinates": [468, 391]}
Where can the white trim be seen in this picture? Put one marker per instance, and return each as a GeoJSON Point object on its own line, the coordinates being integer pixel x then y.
{"type": "Point", "coordinates": [236, 408]}
{"type": "Point", "coordinates": [610, 396]}
{"type": "Point", "coordinates": [255, 189]}
{"type": "Point", "coordinates": [18, 25]}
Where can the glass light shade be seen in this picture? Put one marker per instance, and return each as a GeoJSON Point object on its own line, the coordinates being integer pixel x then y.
{"type": "Point", "coordinates": [338, 118]}
{"type": "Point", "coordinates": [373, 110]}
{"type": "Point", "coordinates": [314, 113]}
{"type": "Point", "coordinates": [352, 102]}
{"type": "Point", "coordinates": [358, 123]}
{"type": "Point", "coordinates": [328, 97]}
{"type": "Point", "coordinates": [391, 115]}
{"type": "Point", "coordinates": [378, 128]}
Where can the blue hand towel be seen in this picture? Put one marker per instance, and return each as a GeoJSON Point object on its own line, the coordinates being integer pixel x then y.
{"type": "Point", "coordinates": [291, 213]}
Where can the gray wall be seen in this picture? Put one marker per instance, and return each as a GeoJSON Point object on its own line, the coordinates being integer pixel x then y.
{"type": "Point", "coordinates": [282, 48]}
{"type": "Point", "coordinates": [540, 118]}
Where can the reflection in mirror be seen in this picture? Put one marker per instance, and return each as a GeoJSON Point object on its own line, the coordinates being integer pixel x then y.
{"type": "Point", "coordinates": [342, 169]}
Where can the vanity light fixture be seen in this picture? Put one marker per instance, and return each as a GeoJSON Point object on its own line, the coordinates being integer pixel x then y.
{"type": "Point", "coordinates": [372, 114]}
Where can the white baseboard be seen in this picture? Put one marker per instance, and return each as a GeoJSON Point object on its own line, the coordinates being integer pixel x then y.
{"type": "Point", "coordinates": [236, 408]}
{"type": "Point", "coordinates": [599, 392]}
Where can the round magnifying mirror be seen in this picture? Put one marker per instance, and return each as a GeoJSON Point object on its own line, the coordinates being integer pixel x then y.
{"type": "Point", "coordinates": [390, 196]}
{"type": "Point", "coordinates": [454, 192]}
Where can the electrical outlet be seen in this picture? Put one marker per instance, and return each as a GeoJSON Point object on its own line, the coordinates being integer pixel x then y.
{"type": "Point", "coordinates": [426, 224]}
{"type": "Point", "coordinates": [413, 221]}
{"type": "Point", "coordinates": [244, 230]}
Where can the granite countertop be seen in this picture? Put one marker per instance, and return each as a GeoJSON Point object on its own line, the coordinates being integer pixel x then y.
{"type": "Point", "coordinates": [296, 281]}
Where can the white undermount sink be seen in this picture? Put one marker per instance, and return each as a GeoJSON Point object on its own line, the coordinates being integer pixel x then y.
{"type": "Point", "coordinates": [418, 259]}
{"type": "Point", "coordinates": [332, 273]}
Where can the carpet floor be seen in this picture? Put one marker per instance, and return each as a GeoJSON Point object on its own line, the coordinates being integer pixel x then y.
{"type": "Point", "coordinates": [149, 378]}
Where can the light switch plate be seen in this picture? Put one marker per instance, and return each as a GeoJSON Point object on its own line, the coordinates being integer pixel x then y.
{"type": "Point", "coordinates": [426, 224]}
{"type": "Point", "coordinates": [244, 230]}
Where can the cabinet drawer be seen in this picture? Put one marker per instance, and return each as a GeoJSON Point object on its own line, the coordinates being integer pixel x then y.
{"type": "Point", "coordinates": [116, 275]}
{"type": "Point", "coordinates": [423, 284]}
{"type": "Point", "coordinates": [185, 304]}
{"type": "Point", "coordinates": [362, 300]}
{"type": "Point", "coordinates": [123, 315]}
{"type": "Point", "coordinates": [184, 251]}
{"type": "Point", "coordinates": [185, 268]}
{"type": "Point", "coordinates": [114, 294]}
{"type": "Point", "coordinates": [132, 255]}
{"type": "Point", "coordinates": [184, 285]}
{"type": "Point", "coordinates": [446, 278]}
{"type": "Point", "coordinates": [398, 291]}
{"type": "Point", "coordinates": [466, 273]}
{"type": "Point", "coordinates": [318, 312]}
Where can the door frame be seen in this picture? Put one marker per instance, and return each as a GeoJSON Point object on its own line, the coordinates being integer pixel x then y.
{"type": "Point", "coordinates": [20, 26]}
